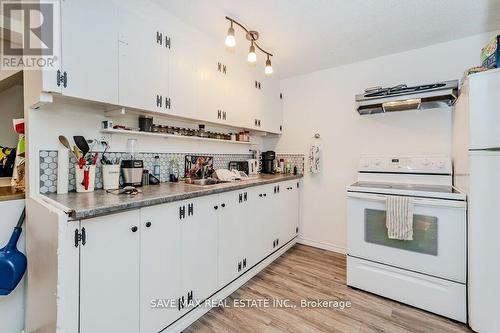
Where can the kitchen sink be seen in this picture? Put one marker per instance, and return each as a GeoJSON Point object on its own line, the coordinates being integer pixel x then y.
{"type": "Point", "coordinates": [206, 181]}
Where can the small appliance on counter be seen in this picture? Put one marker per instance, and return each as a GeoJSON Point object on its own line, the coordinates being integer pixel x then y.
{"type": "Point", "coordinates": [253, 167]}
{"type": "Point", "coordinates": [239, 166]}
{"type": "Point", "coordinates": [132, 172]}
{"type": "Point", "coordinates": [268, 158]}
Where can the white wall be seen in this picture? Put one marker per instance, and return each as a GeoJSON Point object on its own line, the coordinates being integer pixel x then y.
{"type": "Point", "coordinates": [11, 107]}
{"type": "Point", "coordinates": [323, 102]}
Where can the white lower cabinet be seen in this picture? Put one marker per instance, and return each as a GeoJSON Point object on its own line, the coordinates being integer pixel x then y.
{"type": "Point", "coordinates": [160, 283]}
{"type": "Point", "coordinates": [109, 273]}
{"type": "Point", "coordinates": [199, 249]}
{"type": "Point", "coordinates": [143, 269]}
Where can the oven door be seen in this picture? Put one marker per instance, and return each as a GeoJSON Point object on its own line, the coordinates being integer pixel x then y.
{"type": "Point", "coordinates": [439, 240]}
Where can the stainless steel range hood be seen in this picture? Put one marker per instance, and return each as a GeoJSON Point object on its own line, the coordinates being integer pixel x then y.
{"type": "Point", "coordinates": [403, 98]}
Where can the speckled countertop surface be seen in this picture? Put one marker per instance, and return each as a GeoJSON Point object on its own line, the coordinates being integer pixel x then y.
{"type": "Point", "coordinates": [10, 193]}
{"type": "Point", "coordinates": [87, 205]}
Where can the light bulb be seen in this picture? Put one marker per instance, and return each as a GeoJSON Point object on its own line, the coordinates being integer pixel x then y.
{"type": "Point", "coordinates": [230, 39]}
{"type": "Point", "coordinates": [252, 57]}
{"type": "Point", "coordinates": [269, 69]}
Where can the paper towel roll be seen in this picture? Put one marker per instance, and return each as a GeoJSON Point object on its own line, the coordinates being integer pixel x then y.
{"type": "Point", "coordinates": [62, 170]}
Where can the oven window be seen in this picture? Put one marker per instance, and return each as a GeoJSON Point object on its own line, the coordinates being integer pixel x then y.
{"type": "Point", "coordinates": [425, 233]}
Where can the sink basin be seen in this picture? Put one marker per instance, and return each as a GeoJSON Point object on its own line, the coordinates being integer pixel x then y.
{"type": "Point", "coordinates": [206, 181]}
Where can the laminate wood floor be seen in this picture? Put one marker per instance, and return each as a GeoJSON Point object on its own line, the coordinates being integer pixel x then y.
{"type": "Point", "coordinates": [309, 273]}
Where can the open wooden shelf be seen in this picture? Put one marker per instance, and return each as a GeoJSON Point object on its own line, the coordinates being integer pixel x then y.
{"type": "Point", "coordinates": [172, 136]}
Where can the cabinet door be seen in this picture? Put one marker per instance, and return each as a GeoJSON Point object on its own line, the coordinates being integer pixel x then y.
{"type": "Point", "coordinates": [199, 248]}
{"type": "Point", "coordinates": [289, 217]}
{"type": "Point", "coordinates": [232, 237]}
{"type": "Point", "coordinates": [160, 266]}
{"type": "Point", "coordinates": [264, 228]}
{"type": "Point", "coordinates": [90, 49]}
{"type": "Point", "coordinates": [109, 274]}
{"type": "Point", "coordinates": [209, 84]}
{"type": "Point", "coordinates": [144, 64]}
{"type": "Point", "coordinates": [272, 107]}
{"type": "Point", "coordinates": [183, 75]}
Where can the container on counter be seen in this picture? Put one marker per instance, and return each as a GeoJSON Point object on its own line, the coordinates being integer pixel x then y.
{"type": "Point", "coordinates": [156, 167]}
{"type": "Point", "coordinates": [145, 123]}
{"type": "Point", "coordinates": [84, 184]}
{"type": "Point", "coordinates": [145, 177]}
{"type": "Point", "coordinates": [111, 176]}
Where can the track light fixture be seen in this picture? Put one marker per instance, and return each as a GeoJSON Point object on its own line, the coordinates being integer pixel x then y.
{"type": "Point", "coordinates": [230, 39]}
{"type": "Point", "coordinates": [252, 36]}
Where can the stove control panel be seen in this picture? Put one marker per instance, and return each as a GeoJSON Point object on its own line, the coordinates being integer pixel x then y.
{"type": "Point", "coordinates": [421, 164]}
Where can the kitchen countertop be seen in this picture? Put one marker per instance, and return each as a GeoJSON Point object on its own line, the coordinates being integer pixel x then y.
{"type": "Point", "coordinates": [10, 193]}
{"type": "Point", "coordinates": [88, 205]}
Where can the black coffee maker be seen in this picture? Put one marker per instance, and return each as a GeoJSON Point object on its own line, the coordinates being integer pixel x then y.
{"type": "Point", "coordinates": [268, 158]}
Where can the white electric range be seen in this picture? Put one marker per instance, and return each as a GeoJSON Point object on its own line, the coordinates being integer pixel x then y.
{"type": "Point", "coordinates": [428, 272]}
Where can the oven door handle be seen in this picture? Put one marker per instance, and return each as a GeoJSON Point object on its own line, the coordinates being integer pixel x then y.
{"type": "Point", "coordinates": [416, 201]}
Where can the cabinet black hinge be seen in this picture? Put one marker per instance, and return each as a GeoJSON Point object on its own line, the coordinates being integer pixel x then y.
{"type": "Point", "coordinates": [167, 42]}
{"type": "Point", "coordinates": [182, 212]}
{"type": "Point", "coordinates": [219, 114]}
{"type": "Point", "coordinates": [224, 70]}
{"type": "Point", "coordinates": [240, 198]}
{"type": "Point", "coordinates": [159, 100]}
{"type": "Point", "coordinates": [219, 67]}
{"type": "Point", "coordinates": [190, 297]}
{"type": "Point", "coordinates": [244, 262]}
{"type": "Point", "coordinates": [190, 209]}
{"type": "Point", "coordinates": [239, 266]}
{"type": "Point", "coordinates": [159, 38]}
{"type": "Point", "coordinates": [224, 115]}
{"type": "Point", "coordinates": [168, 103]}
{"type": "Point", "coordinates": [80, 237]}
{"type": "Point", "coordinates": [245, 196]}
{"type": "Point", "coordinates": [62, 78]}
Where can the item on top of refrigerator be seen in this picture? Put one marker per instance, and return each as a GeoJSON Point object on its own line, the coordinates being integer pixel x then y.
{"type": "Point", "coordinates": [490, 54]}
{"type": "Point", "coordinates": [474, 70]}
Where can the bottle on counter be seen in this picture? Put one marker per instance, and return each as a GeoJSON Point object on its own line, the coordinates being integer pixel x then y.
{"type": "Point", "coordinates": [288, 167]}
{"type": "Point", "coordinates": [156, 167]}
{"type": "Point", "coordinates": [282, 165]}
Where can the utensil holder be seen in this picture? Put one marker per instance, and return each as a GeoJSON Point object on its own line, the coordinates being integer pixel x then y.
{"type": "Point", "coordinates": [111, 176]}
{"type": "Point", "coordinates": [79, 175]}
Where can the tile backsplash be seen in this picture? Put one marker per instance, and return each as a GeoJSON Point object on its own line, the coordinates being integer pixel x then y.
{"type": "Point", "coordinates": [48, 165]}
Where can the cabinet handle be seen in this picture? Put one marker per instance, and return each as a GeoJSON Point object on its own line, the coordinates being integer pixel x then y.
{"type": "Point", "coordinates": [224, 69]}
{"type": "Point", "coordinates": [223, 205]}
{"type": "Point", "coordinates": [148, 224]}
{"type": "Point", "coordinates": [264, 194]}
{"type": "Point", "coordinates": [179, 304]}
{"type": "Point", "coordinates": [239, 266]}
{"type": "Point", "coordinates": [134, 228]}
{"type": "Point", "coordinates": [240, 198]}
{"type": "Point", "coordinates": [260, 195]}
{"type": "Point", "coordinates": [219, 66]}
{"type": "Point", "coordinates": [216, 207]}
{"type": "Point", "coordinates": [245, 196]}
{"type": "Point", "coordinates": [245, 263]}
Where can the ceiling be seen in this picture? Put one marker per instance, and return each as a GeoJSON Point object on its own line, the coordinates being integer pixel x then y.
{"type": "Point", "coordinates": [309, 35]}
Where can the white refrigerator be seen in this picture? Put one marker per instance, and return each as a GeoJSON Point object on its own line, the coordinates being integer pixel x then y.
{"type": "Point", "coordinates": [476, 162]}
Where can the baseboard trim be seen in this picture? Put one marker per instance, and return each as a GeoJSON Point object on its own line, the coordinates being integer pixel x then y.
{"type": "Point", "coordinates": [321, 245]}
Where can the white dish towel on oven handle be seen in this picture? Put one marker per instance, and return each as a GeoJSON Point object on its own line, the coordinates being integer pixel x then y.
{"type": "Point", "coordinates": [399, 217]}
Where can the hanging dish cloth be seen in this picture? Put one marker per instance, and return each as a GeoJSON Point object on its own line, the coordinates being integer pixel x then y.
{"type": "Point", "coordinates": [315, 156]}
{"type": "Point", "coordinates": [399, 217]}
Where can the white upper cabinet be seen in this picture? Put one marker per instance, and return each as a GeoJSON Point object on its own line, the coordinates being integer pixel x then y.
{"type": "Point", "coordinates": [144, 64]}
{"type": "Point", "coordinates": [183, 74]}
{"type": "Point", "coordinates": [210, 83]}
{"type": "Point", "coordinates": [89, 66]}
